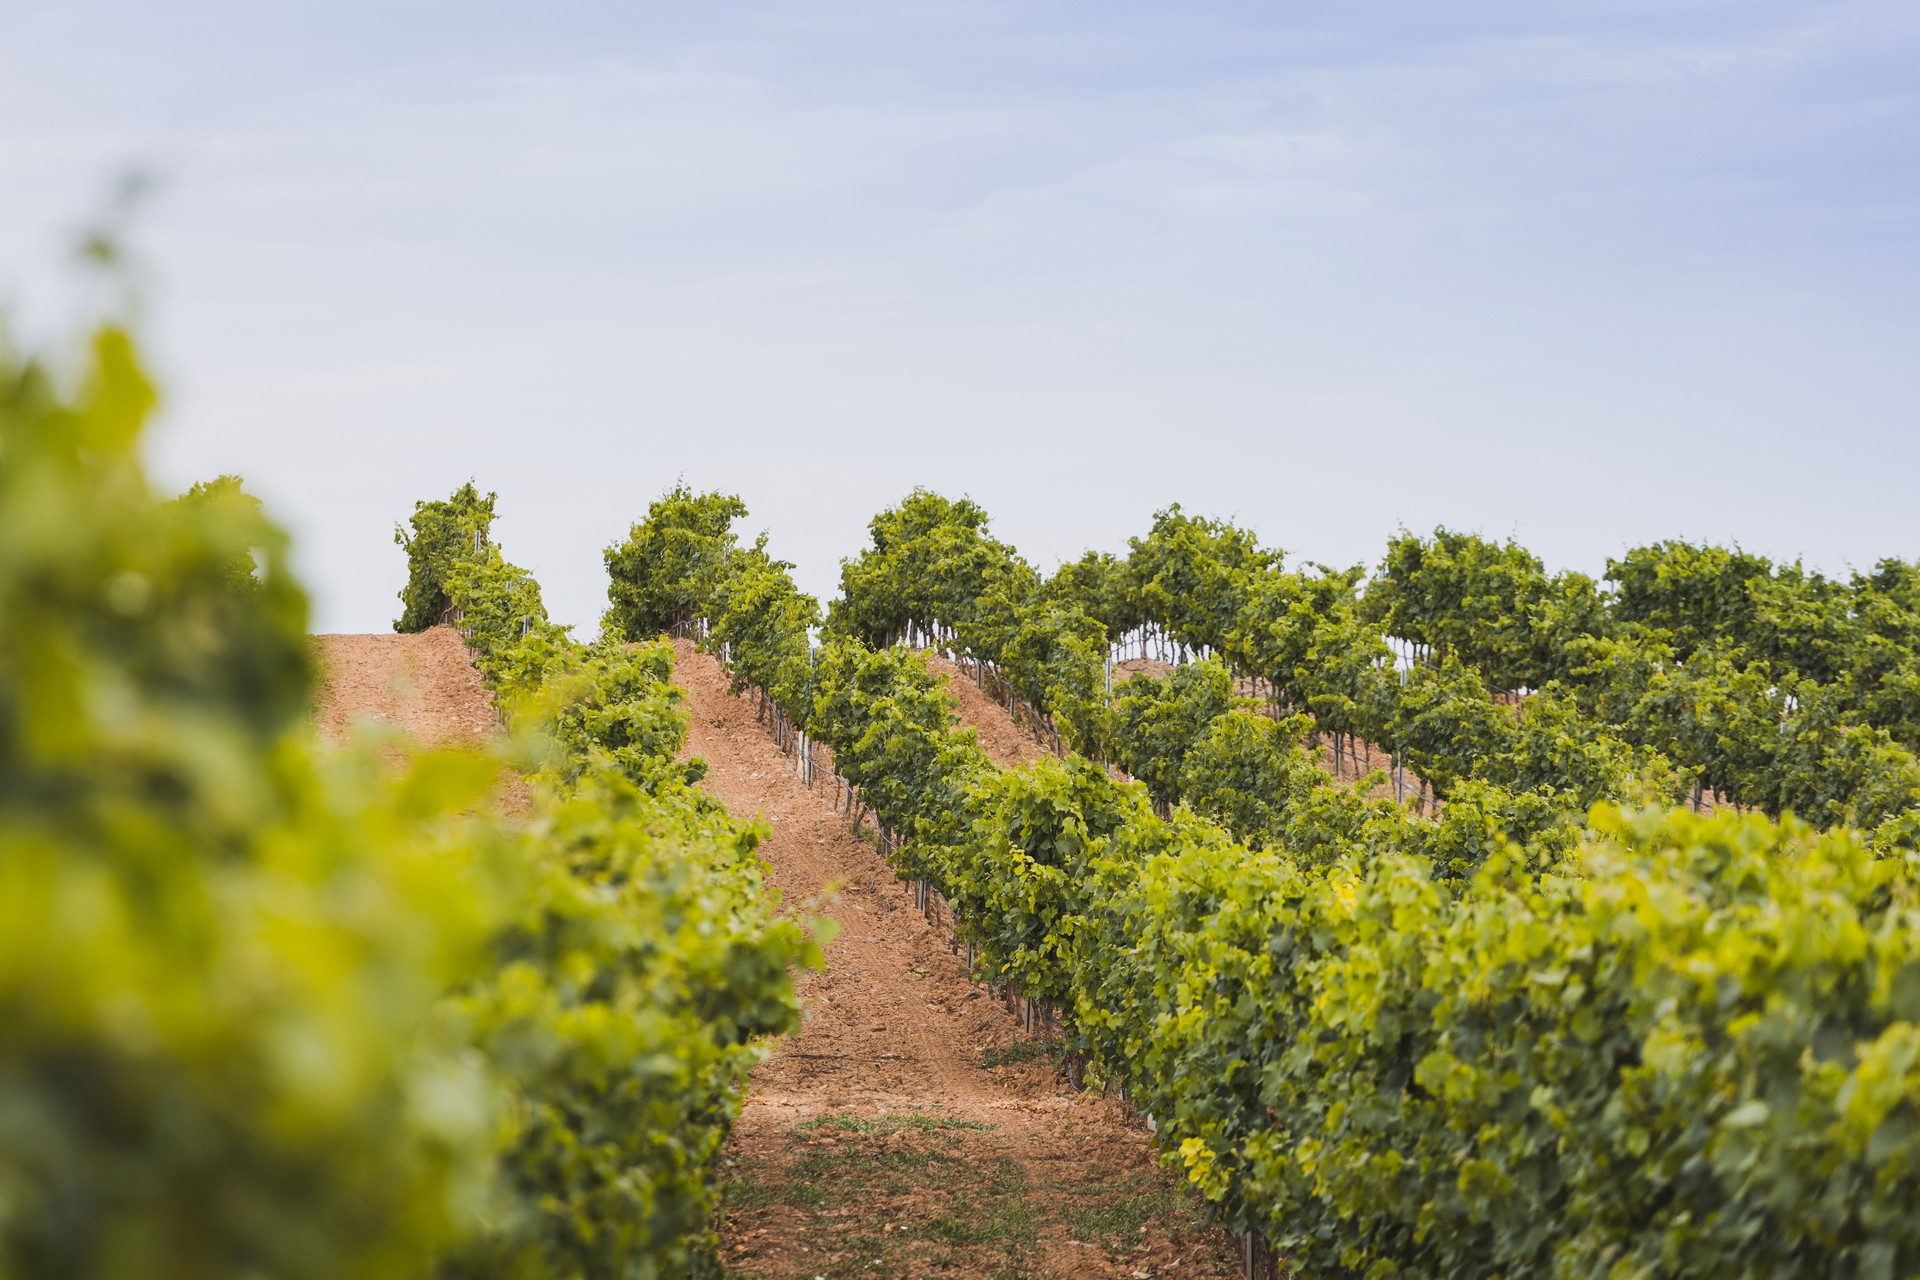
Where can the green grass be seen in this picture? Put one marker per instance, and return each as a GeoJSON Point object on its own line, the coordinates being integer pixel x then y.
{"type": "Point", "coordinates": [1112, 1214]}
{"type": "Point", "coordinates": [745, 1191]}
{"type": "Point", "coordinates": [906, 1120]}
{"type": "Point", "coordinates": [818, 1176]}
{"type": "Point", "coordinates": [1023, 1051]}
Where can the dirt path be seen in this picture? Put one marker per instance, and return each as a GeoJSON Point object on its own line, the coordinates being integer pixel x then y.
{"type": "Point", "coordinates": [909, 1130]}
{"type": "Point", "coordinates": [424, 683]}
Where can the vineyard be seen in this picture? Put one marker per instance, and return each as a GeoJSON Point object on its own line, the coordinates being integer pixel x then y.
{"type": "Point", "coordinates": [1443, 917]}
{"type": "Point", "coordinates": [1546, 1017]}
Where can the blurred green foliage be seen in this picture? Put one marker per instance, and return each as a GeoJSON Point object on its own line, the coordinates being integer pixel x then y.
{"type": "Point", "coordinates": [220, 954]}
{"type": "Point", "coordinates": [270, 1009]}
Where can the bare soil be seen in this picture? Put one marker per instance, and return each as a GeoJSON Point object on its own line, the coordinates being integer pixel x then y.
{"type": "Point", "coordinates": [424, 683]}
{"type": "Point", "coordinates": [1128, 668]}
{"type": "Point", "coordinates": [909, 1128]}
{"type": "Point", "coordinates": [1006, 743]}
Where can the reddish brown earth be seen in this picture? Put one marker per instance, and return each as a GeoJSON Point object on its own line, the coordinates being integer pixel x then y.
{"type": "Point", "coordinates": [1006, 743]}
{"type": "Point", "coordinates": [1127, 668]}
{"type": "Point", "coordinates": [423, 683]}
{"type": "Point", "coordinates": [878, 1141]}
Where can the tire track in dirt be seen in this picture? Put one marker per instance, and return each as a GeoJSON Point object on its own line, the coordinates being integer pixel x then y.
{"type": "Point", "coordinates": [878, 1140]}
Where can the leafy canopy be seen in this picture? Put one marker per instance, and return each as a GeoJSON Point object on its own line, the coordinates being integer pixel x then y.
{"type": "Point", "coordinates": [670, 564]}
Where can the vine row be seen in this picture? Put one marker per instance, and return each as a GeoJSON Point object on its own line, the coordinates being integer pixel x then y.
{"type": "Point", "coordinates": [1515, 1035]}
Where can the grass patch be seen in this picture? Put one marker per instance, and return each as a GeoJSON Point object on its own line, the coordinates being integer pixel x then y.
{"type": "Point", "coordinates": [990, 1210]}
{"type": "Point", "coordinates": [906, 1121]}
{"type": "Point", "coordinates": [823, 1178]}
{"type": "Point", "coordinates": [1113, 1214]}
{"type": "Point", "coordinates": [948, 1229]}
{"type": "Point", "coordinates": [1023, 1051]}
{"type": "Point", "coordinates": [746, 1190]}
{"type": "Point", "coordinates": [905, 1194]}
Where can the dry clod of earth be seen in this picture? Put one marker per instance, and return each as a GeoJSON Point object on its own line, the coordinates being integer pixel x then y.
{"type": "Point", "coordinates": [901, 1133]}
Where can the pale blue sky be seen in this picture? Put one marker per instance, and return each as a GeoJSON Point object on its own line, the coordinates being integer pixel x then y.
{"type": "Point", "coordinates": [1589, 274]}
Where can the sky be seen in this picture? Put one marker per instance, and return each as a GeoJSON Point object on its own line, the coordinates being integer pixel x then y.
{"type": "Point", "coordinates": [1585, 274]}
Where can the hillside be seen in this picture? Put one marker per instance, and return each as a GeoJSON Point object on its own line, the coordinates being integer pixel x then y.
{"type": "Point", "coordinates": [423, 683]}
